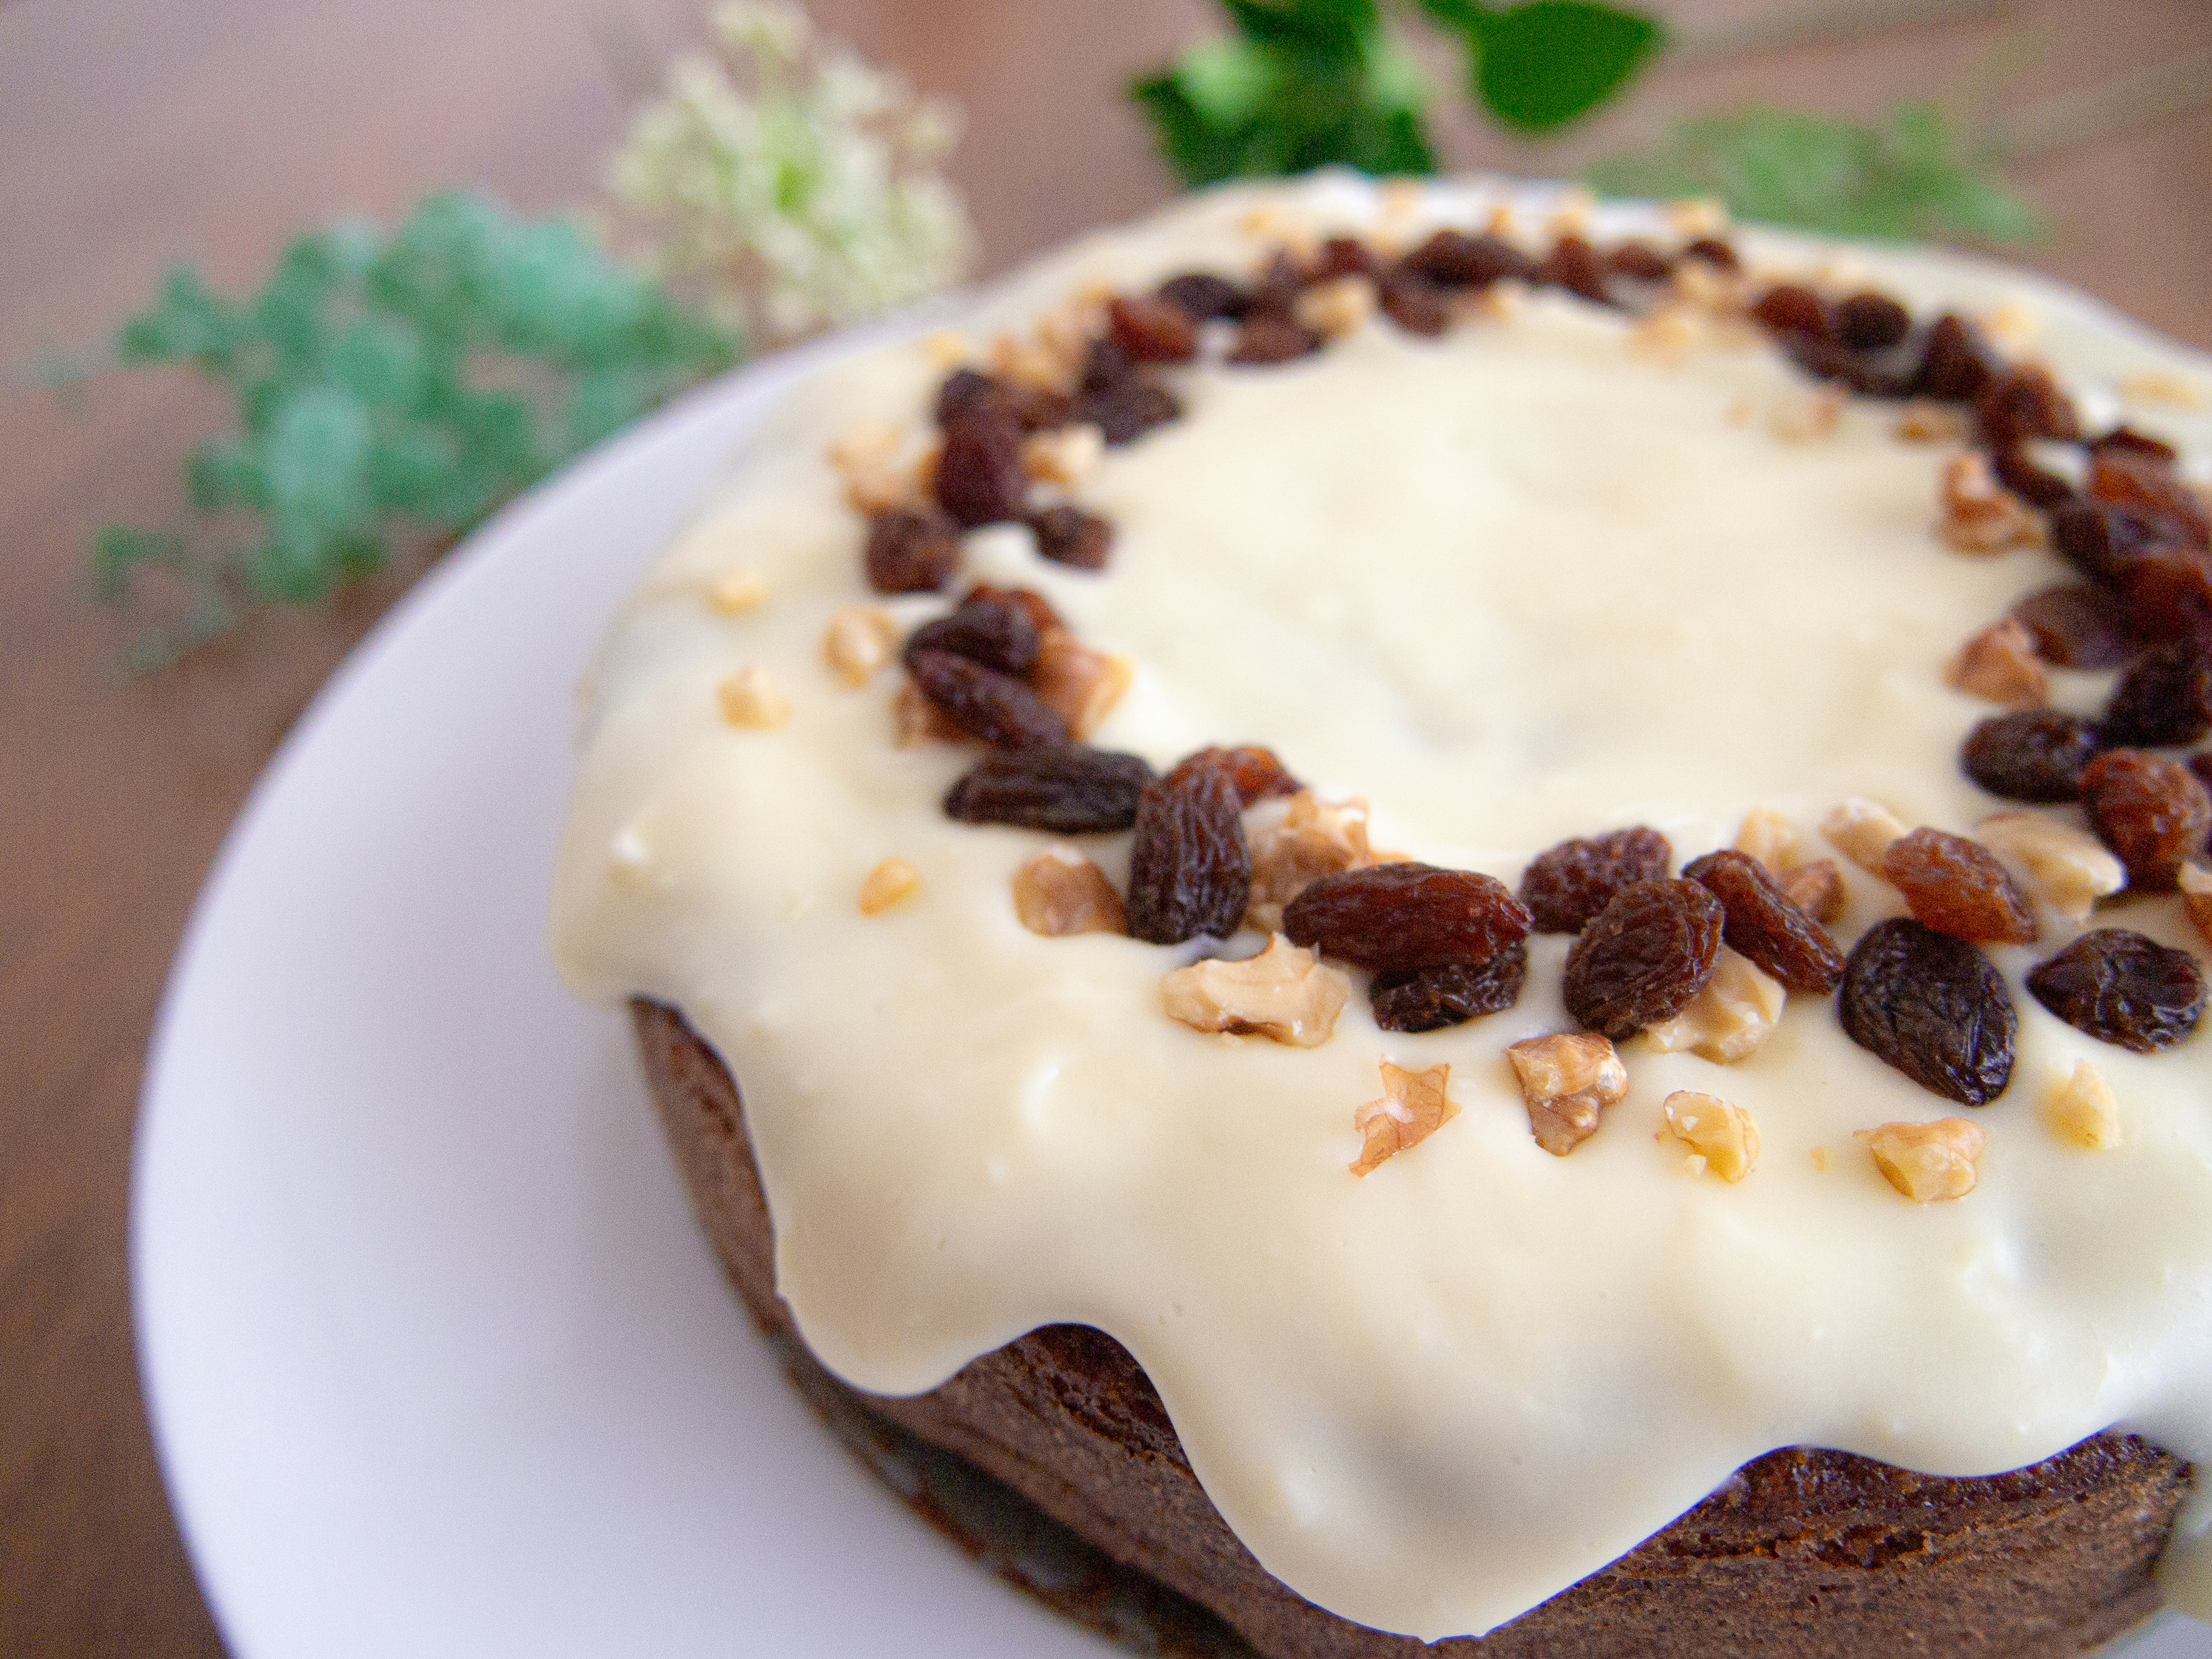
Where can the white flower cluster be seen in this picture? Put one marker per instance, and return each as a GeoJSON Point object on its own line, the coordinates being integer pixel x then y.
{"type": "Point", "coordinates": [798, 184]}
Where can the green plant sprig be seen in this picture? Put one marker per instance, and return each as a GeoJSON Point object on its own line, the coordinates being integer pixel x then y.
{"type": "Point", "coordinates": [391, 389]}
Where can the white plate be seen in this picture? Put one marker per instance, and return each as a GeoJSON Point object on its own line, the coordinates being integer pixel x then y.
{"type": "Point", "coordinates": [438, 1362]}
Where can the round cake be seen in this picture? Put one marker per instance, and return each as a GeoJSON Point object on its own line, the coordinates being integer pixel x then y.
{"type": "Point", "coordinates": [1463, 922]}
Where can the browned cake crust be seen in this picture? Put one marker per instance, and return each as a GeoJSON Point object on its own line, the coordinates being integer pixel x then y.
{"type": "Point", "coordinates": [1801, 1552]}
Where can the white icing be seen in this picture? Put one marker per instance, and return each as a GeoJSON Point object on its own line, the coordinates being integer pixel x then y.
{"type": "Point", "coordinates": [1511, 586]}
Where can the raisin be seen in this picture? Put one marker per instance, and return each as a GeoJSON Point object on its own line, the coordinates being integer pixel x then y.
{"type": "Point", "coordinates": [2099, 539]}
{"type": "Point", "coordinates": [1279, 284]}
{"type": "Point", "coordinates": [1955, 362]}
{"type": "Point", "coordinates": [1932, 1006]}
{"type": "Point", "coordinates": [1714, 252]}
{"type": "Point", "coordinates": [1071, 790]}
{"type": "Point", "coordinates": [911, 552]}
{"type": "Point", "coordinates": [2122, 438]}
{"type": "Point", "coordinates": [1267, 338]}
{"type": "Point", "coordinates": [1871, 322]}
{"type": "Point", "coordinates": [2037, 755]}
{"type": "Point", "coordinates": [1957, 887]}
{"type": "Point", "coordinates": [1574, 265]}
{"type": "Point", "coordinates": [1203, 296]}
{"type": "Point", "coordinates": [2077, 626]}
{"type": "Point", "coordinates": [1645, 957]}
{"type": "Point", "coordinates": [1765, 923]}
{"type": "Point", "coordinates": [1415, 305]}
{"type": "Point", "coordinates": [1067, 535]}
{"type": "Point", "coordinates": [1038, 608]}
{"type": "Point", "coordinates": [2164, 699]}
{"type": "Point", "coordinates": [980, 478]}
{"type": "Point", "coordinates": [969, 394]}
{"type": "Point", "coordinates": [2169, 594]}
{"type": "Point", "coordinates": [2200, 766]}
{"type": "Point", "coordinates": [1152, 330]}
{"type": "Point", "coordinates": [1639, 262]}
{"type": "Point", "coordinates": [1430, 999]}
{"type": "Point", "coordinates": [2039, 488]}
{"type": "Point", "coordinates": [2152, 812]}
{"type": "Point", "coordinates": [1884, 376]}
{"type": "Point", "coordinates": [964, 389]}
{"type": "Point", "coordinates": [1396, 917]}
{"type": "Point", "coordinates": [1565, 885]}
{"type": "Point", "coordinates": [2121, 988]}
{"type": "Point", "coordinates": [1190, 872]}
{"type": "Point", "coordinates": [985, 703]}
{"type": "Point", "coordinates": [1126, 410]}
{"type": "Point", "coordinates": [1344, 256]}
{"type": "Point", "coordinates": [2021, 403]}
{"type": "Point", "coordinates": [992, 631]}
{"type": "Point", "coordinates": [1452, 258]}
{"type": "Point", "coordinates": [1256, 773]}
{"type": "Point", "coordinates": [2146, 484]}
{"type": "Point", "coordinates": [1789, 309]}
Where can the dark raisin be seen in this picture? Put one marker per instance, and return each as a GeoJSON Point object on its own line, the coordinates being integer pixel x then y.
{"type": "Point", "coordinates": [1067, 535]}
{"type": "Point", "coordinates": [2121, 988]}
{"type": "Point", "coordinates": [2200, 766]}
{"type": "Point", "coordinates": [1639, 262]}
{"type": "Point", "coordinates": [1452, 258]}
{"type": "Point", "coordinates": [1415, 305]}
{"type": "Point", "coordinates": [1714, 252]}
{"type": "Point", "coordinates": [1932, 1006]}
{"type": "Point", "coordinates": [1430, 999]}
{"type": "Point", "coordinates": [1957, 887]}
{"type": "Point", "coordinates": [1344, 256]}
{"type": "Point", "coordinates": [1645, 957]}
{"type": "Point", "coordinates": [2147, 486]}
{"type": "Point", "coordinates": [1190, 872]}
{"type": "Point", "coordinates": [981, 477]}
{"type": "Point", "coordinates": [2169, 594]}
{"type": "Point", "coordinates": [2164, 699]}
{"type": "Point", "coordinates": [2077, 626]}
{"type": "Point", "coordinates": [1787, 309]}
{"type": "Point", "coordinates": [2135, 443]}
{"type": "Point", "coordinates": [1394, 917]}
{"type": "Point", "coordinates": [985, 703]}
{"type": "Point", "coordinates": [1883, 375]}
{"type": "Point", "coordinates": [963, 390]}
{"type": "Point", "coordinates": [2021, 403]}
{"type": "Point", "coordinates": [968, 394]}
{"type": "Point", "coordinates": [1764, 924]}
{"type": "Point", "coordinates": [1267, 338]}
{"type": "Point", "coordinates": [1279, 286]}
{"type": "Point", "coordinates": [1152, 330]}
{"type": "Point", "coordinates": [1871, 322]}
{"type": "Point", "coordinates": [1070, 791]}
{"type": "Point", "coordinates": [1955, 362]}
{"type": "Point", "coordinates": [2099, 539]}
{"type": "Point", "coordinates": [2039, 487]}
{"type": "Point", "coordinates": [2037, 755]}
{"type": "Point", "coordinates": [991, 631]}
{"type": "Point", "coordinates": [2152, 813]}
{"type": "Point", "coordinates": [1038, 608]}
{"type": "Point", "coordinates": [1574, 265]}
{"type": "Point", "coordinates": [1565, 885]}
{"type": "Point", "coordinates": [911, 552]}
{"type": "Point", "coordinates": [1256, 773]}
{"type": "Point", "coordinates": [1127, 409]}
{"type": "Point", "coordinates": [1203, 296]}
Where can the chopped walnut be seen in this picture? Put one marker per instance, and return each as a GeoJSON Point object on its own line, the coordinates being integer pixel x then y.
{"type": "Point", "coordinates": [1337, 308]}
{"type": "Point", "coordinates": [1999, 666]}
{"type": "Point", "coordinates": [945, 349]}
{"type": "Point", "coordinates": [1503, 300]}
{"type": "Point", "coordinates": [1061, 892]}
{"type": "Point", "coordinates": [1566, 1081]}
{"type": "Point", "coordinates": [2195, 882]}
{"type": "Point", "coordinates": [1861, 831]}
{"type": "Point", "coordinates": [859, 640]}
{"type": "Point", "coordinates": [1695, 216]}
{"type": "Point", "coordinates": [1312, 839]}
{"type": "Point", "coordinates": [1772, 837]}
{"type": "Point", "coordinates": [1980, 515]}
{"type": "Point", "coordinates": [1665, 334]}
{"type": "Point", "coordinates": [1078, 683]}
{"type": "Point", "coordinates": [2082, 1109]}
{"type": "Point", "coordinates": [735, 594]}
{"type": "Point", "coordinates": [2069, 869]}
{"type": "Point", "coordinates": [1929, 1162]}
{"type": "Point", "coordinates": [1732, 1015]}
{"type": "Point", "coordinates": [1817, 889]}
{"type": "Point", "coordinates": [1721, 1135]}
{"type": "Point", "coordinates": [1720, 294]}
{"type": "Point", "coordinates": [1284, 993]}
{"type": "Point", "coordinates": [1034, 362]}
{"type": "Point", "coordinates": [1803, 415]}
{"type": "Point", "coordinates": [2163, 387]}
{"type": "Point", "coordinates": [1413, 1107]}
{"type": "Point", "coordinates": [1572, 214]}
{"type": "Point", "coordinates": [1924, 421]}
{"type": "Point", "coordinates": [2012, 325]}
{"type": "Point", "coordinates": [749, 699]}
{"type": "Point", "coordinates": [892, 882]}
{"type": "Point", "coordinates": [1067, 456]}
{"type": "Point", "coordinates": [1503, 221]}
{"type": "Point", "coordinates": [915, 720]}
{"type": "Point", "coordinates": [878, 476]}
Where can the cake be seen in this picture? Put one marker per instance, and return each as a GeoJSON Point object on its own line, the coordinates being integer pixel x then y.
{"type": "Point", "coordinates": [1463, 927]}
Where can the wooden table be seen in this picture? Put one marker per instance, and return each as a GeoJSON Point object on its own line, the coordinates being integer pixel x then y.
{"type": "Point", "coordinates": [131, 135]}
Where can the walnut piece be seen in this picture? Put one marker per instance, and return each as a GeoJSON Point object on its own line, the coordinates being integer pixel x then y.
{"type": "Point", "coordinates": [1284, 993]}
{"type": "Point", "coordinates": [1772, 837]}
{"type": "Point", "coordinates": [1732, 1015]}
{"type": "Point", "coordinates": [749, 699]}
{"type": "Point", "coordinates": [1999, 666]}
{"type": "Point", "coordinates": [1861, 831]}
{"type": "Point", "coordinates": [1721, 1135]}
{"type": "Point", "coordinates": [1692, 217]}
{"type": "Point", "coordinates": [1667, 333]}
{"type": "Point", "coordinates": [1802, 416]}
{"type": "Point", "coordinates": [1312, 839]}
{"type": "Point", "coordinates": [859, 640]}
{"type": "Point", "coordinates": [1067, 456]}
{"type": "Point", "coordinates": [878, 476]}
{"type": "Point", "coordinates": [2082, 1109]}
{"type": "Point", "coordinates": [1929, 1162]}
{"type": "Point", "coordinates": [1566, 1081]}
{"type": "Point", "coordinates": [892, 882]}
{"type": "Point", "coordinates": [915, 720]}
{"type": "Point", "coordinates": [1078, 683]}
{"type": "Point", "coordinates": [1924, 421]}
{"type": "Point", "coordinates": [1413, 1107]}
{"type": "Point", "coordinates": [2195, 882]}
{"type": "Point", "coordinates": [1980, 515]}
{"type": "Point", "coordinates": [2069, 869]}
{"type": "Point", "coordinates": [1337, 308]}
{"type": "Point", "coordinates": [737, 593]}
{"type": "Point", "coordinates": [1817, 889]}
{"type": "Point", "coordinates": [1061, 892]}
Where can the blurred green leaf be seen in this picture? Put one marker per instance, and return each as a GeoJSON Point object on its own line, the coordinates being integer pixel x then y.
{"type": "Point", "coordinates": [1537, 66]}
